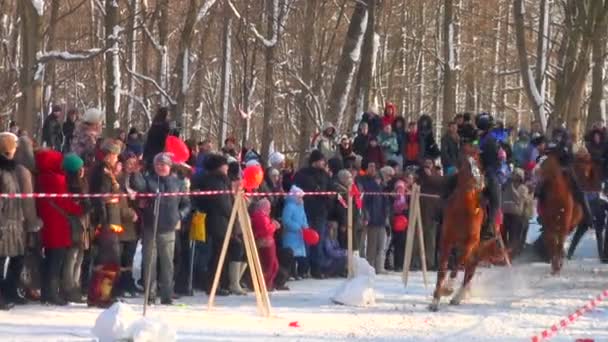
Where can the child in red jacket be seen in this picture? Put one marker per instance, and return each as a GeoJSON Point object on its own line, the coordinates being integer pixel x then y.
{"type": "Point", "coordinates": [263, 230]}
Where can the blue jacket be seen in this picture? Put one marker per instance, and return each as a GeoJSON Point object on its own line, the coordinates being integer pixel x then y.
{"type": "Point", "coordinates": [294, 220]}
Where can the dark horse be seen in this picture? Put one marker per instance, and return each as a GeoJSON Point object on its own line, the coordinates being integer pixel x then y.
{"type": "Point", "coordinates": [463, 216]}
{"type": "Point", "coordinates": [558, 210]}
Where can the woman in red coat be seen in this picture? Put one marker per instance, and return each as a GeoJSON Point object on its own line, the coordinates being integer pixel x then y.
{"type": "Point", "coordinates": [263, 231]}
{"type": "Point", "coordinates": [56, 231]}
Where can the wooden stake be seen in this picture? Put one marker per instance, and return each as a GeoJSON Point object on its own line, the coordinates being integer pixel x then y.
{"type": "Point", "coordinates": [220, 265]}
{"type": "Point", "coordinates": [255, 266]}
{"type": "Point", "coordinates": [411, 230]}
{"type": "Point", "coordinates": [420, 232]}
{"type": "Point", "coordinates": [239, 211]}
{"type": "Point", "coordinates": [414, 228]}
{"type": "Point", "coordinates": [350, 235]}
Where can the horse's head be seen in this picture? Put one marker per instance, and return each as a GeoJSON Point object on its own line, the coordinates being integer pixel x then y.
{"type": "Point", "coordinates": [469, 172]}
{"type": "Point", "coordinates": [548, 167]}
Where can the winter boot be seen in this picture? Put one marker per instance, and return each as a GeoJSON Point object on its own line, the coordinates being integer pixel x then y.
{"type": "Point", "coordinates": [5, 305]}
{"type": "Point", "coordinates": [54, 297]}
{"type": "Point", "coordinates": [234, 274]}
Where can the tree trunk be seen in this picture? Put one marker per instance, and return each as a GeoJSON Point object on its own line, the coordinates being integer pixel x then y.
{"type": "Point", "coordinates": [535, 99]}
{"type": "Point", "coordinates": [113, 86]}
{"type": "Point", "coordinates": [163, 36]}
{"type": "Point", "coordinates": [269, 52]}
{"type": "Point", "coordinates": [307, 51]}
{"type": "Point", "coordinates": [30, 106]}
{"type": "Point", "coordinates": [226, 75]}
{"type": "Point", "coordinates": [134, 22]}
{"type": "Point", "coordinates": [364, 78]}
{"type": "Point", "coordinates": [183, 66]}
{"type": "Point", "coordinates": [597, 111]}
{"type": "Point", "coordinates": [348, 62]}
{"type": "Point", "coordinates": [449, 56]}
{"type": "Point", "coordinates": [51, 77]}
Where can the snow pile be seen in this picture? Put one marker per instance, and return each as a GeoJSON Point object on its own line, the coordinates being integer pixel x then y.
{"type": "Point", "coordinates": [120, 322]}
{"type": "Point", "coordinates": [114, 323]}
{"type": "Point", "coordinates": [151, 330]}
{"type": "Point", "coordinates": [358, 291]}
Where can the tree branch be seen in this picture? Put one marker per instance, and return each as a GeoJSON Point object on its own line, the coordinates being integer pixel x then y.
{"type": "Point", "coordinates": [44, 57]}
{"type": "Point", "coordinates": [162, 91]}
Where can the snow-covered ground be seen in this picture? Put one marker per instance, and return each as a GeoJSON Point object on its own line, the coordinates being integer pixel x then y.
{"type": "Point", "coordinates": [507, 305]}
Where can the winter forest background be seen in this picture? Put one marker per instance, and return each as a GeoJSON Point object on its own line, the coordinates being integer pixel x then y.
{"type": "Point", "coordinates": [271, 72]}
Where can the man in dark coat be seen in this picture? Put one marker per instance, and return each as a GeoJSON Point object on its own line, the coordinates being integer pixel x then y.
{"type": "Point", "coordinates": [68, 129]}
{"type": "Point", "coordinates": [361, 143]}
{"type": "Point", "coordinates": [489, 161]}
{"type": "Point", "coordinates": [450, 146]}
{"type": "Point", "coordinates": [172, 211]}
{"type": "Point", "coordinates": [52, 135]}
{"type": "Point", "coordinates": [218, 209]}
{"type": "Point", "coordinates": [157, 135]}
{"type": "Point", "coordinates": [315, 178]}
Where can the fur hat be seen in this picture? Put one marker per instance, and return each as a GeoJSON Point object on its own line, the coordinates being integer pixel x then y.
{"type": "Point", "coordinates": [8, 143]}
{"type": "Point", "coordinates": [93, 116]}
{"type": "Point", "coordinates": [214, 162]}
{"type": "Point", "coordinates": [315, 156]}
{"type": "Point", "coordinates": [517, 172]}
{"type": "Point", "coordinates": [276, 158]}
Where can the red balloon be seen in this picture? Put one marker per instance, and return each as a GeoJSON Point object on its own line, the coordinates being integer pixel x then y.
{"type": "Point", "coordinates": [400, 223]}
{"type": "Point", "coordinates": [178, 148]}
{"type": "Point", "coordinates": [253, 176]}
{"type": "Point", "coordinates": [311, 237]}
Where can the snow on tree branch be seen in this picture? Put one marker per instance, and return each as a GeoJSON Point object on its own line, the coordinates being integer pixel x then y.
{"type": "Point", "coordinates": [204, 10]}
{"type": "Point", "coordinates": [278, 18]}
{"type": "Point", "coordinates": [141, 102]}
{"type": "Point", "coordinates": [162, 91]}
{"type": "Point", "coordinates": [39, 6]}
{"type": "Point", "coordinates": [154, 42]}
{"type": "Point", "coordinates": [43, 57]}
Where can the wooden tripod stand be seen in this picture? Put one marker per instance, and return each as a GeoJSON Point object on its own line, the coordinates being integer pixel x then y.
{"type": "Point", "coordinates": [239, 211]}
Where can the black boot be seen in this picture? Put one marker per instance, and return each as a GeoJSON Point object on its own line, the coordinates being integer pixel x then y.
{"type": "Point", "coordinates": [580, 198]}
{"type": "Point", "coordinates": [576, 239]}
{"type": "Point", "coordinates": [5, 305]}
{"type": "Point", "coordinates": [54, 297]}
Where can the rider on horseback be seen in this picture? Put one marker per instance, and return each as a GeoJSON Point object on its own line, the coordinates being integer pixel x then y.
{"type": "Point", "coordinates": [491, 164]}
{"type": "Point", "coordinates": [561, 144]}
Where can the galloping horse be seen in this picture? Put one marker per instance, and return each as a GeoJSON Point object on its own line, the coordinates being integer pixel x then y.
{"type": "Point", "coordinates": [557, 208]}
{"type": "Point", "coordinates": [463, 217]}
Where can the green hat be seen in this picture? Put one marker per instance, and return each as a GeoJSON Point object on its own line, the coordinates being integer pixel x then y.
{"type": "Point", "coordinates": [72, 163]}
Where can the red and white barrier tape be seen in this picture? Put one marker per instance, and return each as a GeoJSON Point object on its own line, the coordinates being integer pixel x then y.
{"type": "Point", "coordinates": [162, 194]}
{"type": "Point", "coordinates": [564, 323]}
{"type": "Point", "coordinates": [191, 193]}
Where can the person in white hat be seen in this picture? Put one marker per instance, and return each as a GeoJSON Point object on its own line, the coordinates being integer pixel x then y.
{"type": "Point", "coordinates": [86, 133]}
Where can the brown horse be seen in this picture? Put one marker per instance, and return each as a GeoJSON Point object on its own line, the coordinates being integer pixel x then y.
{"type": "Point", "coordinates": [557, 208]}
{"type": "Point", "coordinates": [463, 217]}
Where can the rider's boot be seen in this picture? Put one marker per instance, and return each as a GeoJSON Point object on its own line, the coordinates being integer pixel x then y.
{"type": "Point", "coordinates": [579, 197]}
{"type": "Point", "coordinates": [488, 231]}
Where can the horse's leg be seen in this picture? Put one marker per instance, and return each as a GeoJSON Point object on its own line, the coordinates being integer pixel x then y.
{"type": "Point", "coordinates": [470, 260]}
{"type": "Point", "coordinates": [444, 254]}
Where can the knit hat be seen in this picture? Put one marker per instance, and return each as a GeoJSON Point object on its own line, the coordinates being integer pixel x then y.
{"type": "Point", "coordinates": [252, 162]}
{"type": "Point", "coordinates": [163, 158]}
{"type": "Point", "coordinates": [8, 144]}
{"type": "Point", "coordinates": [72, 163]}
{"type": "Point", "coordinates": [315, 156]}
{"type": "Point", "coordinates": [296, 191]}
{"type": "Point", "coordinates": [93, 116]}
{"type": "Point", "coordinates": [276, 158]}
{"type": "Point", "coordinates": [110, 146]}
{"type": "Point", "coordinates": [214, 161]}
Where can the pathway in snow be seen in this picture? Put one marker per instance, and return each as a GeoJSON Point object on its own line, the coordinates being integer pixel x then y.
{"type": "Point", "coordinates": [507, 305]}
